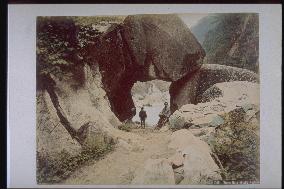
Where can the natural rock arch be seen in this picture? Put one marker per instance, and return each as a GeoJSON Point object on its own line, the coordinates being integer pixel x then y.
{"type": "Point", "coordinates": [148, 47]}
{"type": "Point", "coordinates": [143, 48]}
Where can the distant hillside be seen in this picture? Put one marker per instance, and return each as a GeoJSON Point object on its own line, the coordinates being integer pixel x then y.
{"type": "Point", "coordinates": [203, 27]}
{"type": "Point", "coordinates": [230, 39]}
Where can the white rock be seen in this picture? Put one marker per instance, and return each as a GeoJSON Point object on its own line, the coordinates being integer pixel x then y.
{"type": "Point", "coordinates": [197, 160]}
{"type": "Point", "coordinates": [183, 138]}
{"type": "Point", "coordinates": [177, 159]}
{"type": "Point", "coordinates": [199, 167]}
{"type": "Point", "coordinates": [155, 172]}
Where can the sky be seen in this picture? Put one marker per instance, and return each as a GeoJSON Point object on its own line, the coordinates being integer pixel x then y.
{"type": "Point", "coordinates": [192, 19]}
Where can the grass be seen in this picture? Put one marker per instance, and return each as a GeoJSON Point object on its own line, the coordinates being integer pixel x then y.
{"type": "Point", "coordinates": [54, 169]}
{"type": "Point", "coordinates": [125, 127]}
{"type": "Point", "coordinates": [128, 126]}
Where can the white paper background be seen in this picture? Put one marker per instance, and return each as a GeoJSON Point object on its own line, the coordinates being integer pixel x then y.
{"type": "Point", "coordinates": [22, 82]}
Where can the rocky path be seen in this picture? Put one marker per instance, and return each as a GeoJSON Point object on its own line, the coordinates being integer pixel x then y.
{"type": "Point", "coordinates": [119, 166]}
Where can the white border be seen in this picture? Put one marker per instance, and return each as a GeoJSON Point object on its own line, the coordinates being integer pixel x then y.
{"type": "Point", "coordinates": [21, 83]}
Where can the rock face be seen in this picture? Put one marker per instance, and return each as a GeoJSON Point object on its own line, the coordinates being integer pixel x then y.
{"type": "Point", "coordinates": [79, 104]}
{"type": "Point", "coordinates": [50, 133]}
{"type": "Point", "coordinates": [87, 102]}
{"type": "Point", "coordinates": [232, 95]}
{"type": "Point", "coordinates": [188, 89]}
{"type": "Point", "coordinates": [145, 47]}
{"type": "Point", "coordinates": [230, 39]}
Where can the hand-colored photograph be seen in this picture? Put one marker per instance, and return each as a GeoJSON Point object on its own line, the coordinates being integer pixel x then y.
{"type": "Point", "coordinates": [149, 99]}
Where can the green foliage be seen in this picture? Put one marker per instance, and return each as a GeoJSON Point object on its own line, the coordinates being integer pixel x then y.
{"type": "Point", "coordinates": [58, 167]}
{"type": "Point", "coordinates": [125, 127]}
{"type": "Point", "coordinates": [56, 44]}
{"type": "Point", "coordinates": [64, 45]}
{"type": "Point", "coordinates": [97, 20]}
{"type": "Point", "coordinates": [236, 144]}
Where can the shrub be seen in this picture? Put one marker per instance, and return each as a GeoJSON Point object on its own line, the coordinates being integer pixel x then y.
{"type": "Point", "coordinates": [58, 167]}
{"type": "Point", "coordinates": [236, 144]}
{"type": "Point", "coordinates": [125, 127]}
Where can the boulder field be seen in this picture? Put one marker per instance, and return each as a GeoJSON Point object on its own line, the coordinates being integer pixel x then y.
{"type": "Point", "coordinates": [219, 99]}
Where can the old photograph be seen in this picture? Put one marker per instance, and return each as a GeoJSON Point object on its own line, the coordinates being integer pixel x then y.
{"type": "Point", "coordinates": [148, 99]}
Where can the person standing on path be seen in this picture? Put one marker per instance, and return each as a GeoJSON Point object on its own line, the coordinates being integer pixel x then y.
{"type": "Point", "coordinates": [143, 116]}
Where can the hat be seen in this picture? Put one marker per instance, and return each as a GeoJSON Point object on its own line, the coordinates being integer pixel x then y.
{"type": "Point", "coordinates": [165, 103]}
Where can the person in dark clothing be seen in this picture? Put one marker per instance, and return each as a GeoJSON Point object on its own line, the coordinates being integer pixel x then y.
{"type": "Point", "coordinates": [143, 116]}
{"type": "Point", "coordinates": [164, 116]}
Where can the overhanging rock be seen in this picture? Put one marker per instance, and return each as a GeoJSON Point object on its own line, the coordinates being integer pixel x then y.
{"type": "Point", "coordinates": [142, 48]}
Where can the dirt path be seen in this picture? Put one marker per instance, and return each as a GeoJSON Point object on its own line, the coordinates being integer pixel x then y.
{"type": "Point", "coordinates": [119, 166]}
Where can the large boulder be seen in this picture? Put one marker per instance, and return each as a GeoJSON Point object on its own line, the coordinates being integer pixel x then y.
{"type": "Point", "coordinates": [189, 89]}
{"type": "Point", "coordinates": [144, 47]}
{"type": "Point", "coordinates": [155, 172]}
{"type": "Point", "coordinates": [163, 42]}
{"type": "Point", "coordinates": [231, 95]}
{"type": "Point", "coordinates": [198, 167]}
{"type": "Point", "coordinates": [183, 138]}
{"type": "Point", "coordinates": [199, 116]}
{"type": "Point", "coordinates": [232, 92]}
{"type": "Point", "coordinates": [93, 135]}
